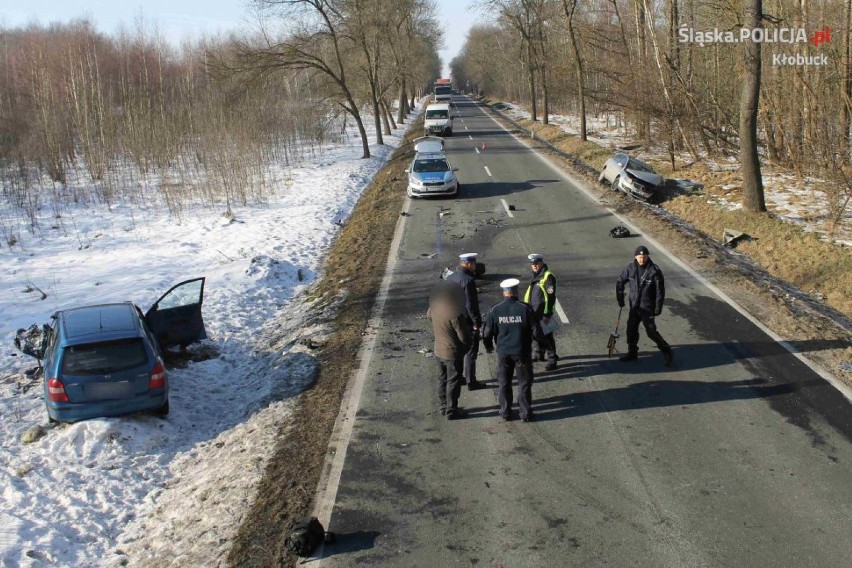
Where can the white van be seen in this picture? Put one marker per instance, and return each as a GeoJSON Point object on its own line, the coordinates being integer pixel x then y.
{"type": "Point", "coordinates": [438, 120]}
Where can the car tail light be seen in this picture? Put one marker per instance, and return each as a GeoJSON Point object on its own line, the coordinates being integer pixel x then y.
{"type": "Point", "coordinates": [56, 390]}
{"type": "Point", "coordinates": [158, 377]}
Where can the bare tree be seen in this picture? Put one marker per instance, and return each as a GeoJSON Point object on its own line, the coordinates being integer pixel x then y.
{"type": "Point", "coordinates": [753, 199]}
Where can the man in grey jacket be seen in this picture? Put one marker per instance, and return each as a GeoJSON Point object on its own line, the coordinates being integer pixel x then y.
{"type": "Point", "coordinates": [453, 337]}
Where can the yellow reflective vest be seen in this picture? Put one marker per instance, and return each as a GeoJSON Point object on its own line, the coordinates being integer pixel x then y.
{"type": "Point", "coordinates": [548, 307]}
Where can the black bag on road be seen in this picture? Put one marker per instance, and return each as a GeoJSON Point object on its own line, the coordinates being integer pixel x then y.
{"type": "Point", "coordinates": [305, 536]}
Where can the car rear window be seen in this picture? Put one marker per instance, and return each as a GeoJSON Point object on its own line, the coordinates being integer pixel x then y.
{"type": "Point", "coordinates": [104, 357]}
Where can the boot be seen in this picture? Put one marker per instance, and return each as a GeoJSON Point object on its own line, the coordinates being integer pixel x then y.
{"type": "Point", "coordinates": [551, 365]}
{"type": "Point", "coordinates": [668, 356]}
{"type": "Point", "coordinates": [629, 356]}
{"type": "Point", "coordinates": [541, 357]}
{"type": "Point", "coordinates": [474, 385]}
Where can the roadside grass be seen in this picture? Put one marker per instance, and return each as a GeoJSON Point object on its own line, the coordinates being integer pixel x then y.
{"type": "Point", "coordinates": [784, 249]}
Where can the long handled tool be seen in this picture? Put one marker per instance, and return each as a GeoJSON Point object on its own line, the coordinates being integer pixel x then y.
{"type": "Point", "coordinates": [613, 337]}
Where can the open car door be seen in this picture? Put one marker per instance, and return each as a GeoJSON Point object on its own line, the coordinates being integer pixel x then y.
{"type": "Point", "coordinates": [175, 319]}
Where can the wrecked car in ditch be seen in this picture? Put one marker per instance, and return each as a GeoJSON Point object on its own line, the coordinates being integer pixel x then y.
{"type": "Point", "coordinates": [632, 176]}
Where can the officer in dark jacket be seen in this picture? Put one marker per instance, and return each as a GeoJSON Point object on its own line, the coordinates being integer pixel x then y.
{"type": "Point", "coordinates": [512, 325]}
{"type": "Point", "coordinates": [541, 296]}
{"type": "Point", "coordinates": [464, 278]}
{"type": "Point", "coordinates": [647, 292]}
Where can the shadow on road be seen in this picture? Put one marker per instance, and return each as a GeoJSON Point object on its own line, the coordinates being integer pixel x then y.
{"type": "Point", "coordinates": [351, 542]}
{"type": "Point", "coordinates": [648, 394]}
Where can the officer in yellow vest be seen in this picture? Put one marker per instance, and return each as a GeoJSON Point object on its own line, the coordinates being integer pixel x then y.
{"type": "Point", "coordinates": [541, 295]}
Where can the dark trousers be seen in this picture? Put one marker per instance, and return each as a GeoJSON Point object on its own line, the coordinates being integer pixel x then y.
{"type": "Point", "coordinates": [470, 360]}
{"type": "Point", "coordinates": [449, 382]}
{"type": "Point", "coordinates": [547, 346]}
{"type": "Point", "coordinates": [636, 316]}
{"type": "Point", "coordinates": [505, 371]}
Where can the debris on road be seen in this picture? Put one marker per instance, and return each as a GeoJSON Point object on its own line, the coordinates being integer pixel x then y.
{"type": "Point", "coordinates": [730, 237]}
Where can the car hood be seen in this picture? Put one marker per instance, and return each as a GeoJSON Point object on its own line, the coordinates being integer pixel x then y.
{"type": "Point", "coordinates": [655, 180]}
{"type": "Point", "coordinates": [431, 176]}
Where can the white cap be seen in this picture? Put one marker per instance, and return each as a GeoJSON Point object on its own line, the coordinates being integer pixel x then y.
{"type": "Point", "coordinates": [535, 257]}
{"type": "Point", "coordinates": [468, 257]}
{"type": "Point", "coordinates": [509, 283]}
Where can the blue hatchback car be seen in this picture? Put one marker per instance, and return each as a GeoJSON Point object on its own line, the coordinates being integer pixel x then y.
{"type": "Point", "coordinates": [106, 360]}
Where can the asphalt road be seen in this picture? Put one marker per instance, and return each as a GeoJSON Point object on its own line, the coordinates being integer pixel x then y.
{"type": "Point", "coordinates": [738, 455]}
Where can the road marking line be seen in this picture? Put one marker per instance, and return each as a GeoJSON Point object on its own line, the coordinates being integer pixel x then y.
{"type": "Point", "coordinates": [466, 128]}
{"type": "Point", "coordinates": [477, 150]}
{"type": "Point", "coordinates": [506, 206]}
{"type": "Point", "coordinates": [469, 136]}
{"type": "Point", "coordinates": [487, 171]}
{"type": "Point", "coordinates": [844, 389]}
{"type": "Point", "coordinates": [561, 312]}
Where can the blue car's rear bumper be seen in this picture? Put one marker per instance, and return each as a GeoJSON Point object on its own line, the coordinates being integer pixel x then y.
{"type": "Point", "coordinates": [70, 412]}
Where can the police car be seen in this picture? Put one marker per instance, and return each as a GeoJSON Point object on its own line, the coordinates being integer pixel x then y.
{"type": "Point", "coordinates": [430, 173]}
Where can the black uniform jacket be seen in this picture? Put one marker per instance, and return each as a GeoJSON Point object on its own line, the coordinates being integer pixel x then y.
{"type": "Point", "coordinates": [471, 298]}
{"type": "Point", "coordinates": [649, 293]}
{"type": "Point", "coordinates": [512, 325]}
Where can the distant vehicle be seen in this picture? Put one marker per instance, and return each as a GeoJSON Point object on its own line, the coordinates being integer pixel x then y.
{"type": "Point", "coordinates": [438, 120]}
{"type": "Point", "coordinates": [443, 91]}
{"type": "Point", "coordinates": [430, 173]}
{"type": "Point", "coordinates": [456, 92]}
{"type": "Point", "coordinates": [633, 177]}
{"type": "Point", "coordinates": [106, 360]}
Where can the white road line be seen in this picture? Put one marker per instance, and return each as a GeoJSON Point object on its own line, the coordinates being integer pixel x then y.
{"type": "Point", "coordinates": [342, 431]}
{"type": "Point", "coordinates": [487, 171]}
{"type": "Point", "coordinates": [844, 389]}
{"type": "Point", "coordinates": [560, 312]}
{"type": "Point", "coordinates": [477, 150]}
{"type": "Point", "coordinates": [506, 206]}
{"type": "Point", "coordinates": [469, 136]}
{"type": "Point", "coordinates": [466, 128]}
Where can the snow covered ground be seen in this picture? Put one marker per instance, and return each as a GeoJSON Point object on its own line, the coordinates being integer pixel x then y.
{"type": "Point", "coordinates": [126, 491]}
{"type": "Point", "coordinates": [792, 199]}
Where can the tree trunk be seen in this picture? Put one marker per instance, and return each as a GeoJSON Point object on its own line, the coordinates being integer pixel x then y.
{"type": "Point", "coordinates": [402, 113]}
{"type": "Point", "coordinates": [753, 198]}
{"type": "Point", "coordinates": [581, 87]}
{"type": "Point", "coordinates": [377, 117]}
{"type": "Point", "coordinates": [387, 118]}
{"type": "Point", "coordinates": [531, 74]}
{"type": "Point", "coordinates": [847, 100]}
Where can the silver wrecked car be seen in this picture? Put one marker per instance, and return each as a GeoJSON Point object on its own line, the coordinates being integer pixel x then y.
{"type": "Point", "coordinates": [633, 177]}
{"type": "Point", "coordinates": [430, 173]}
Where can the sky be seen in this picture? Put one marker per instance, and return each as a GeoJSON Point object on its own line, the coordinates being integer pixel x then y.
{"type": "Point", "coordinates": [179, 19]}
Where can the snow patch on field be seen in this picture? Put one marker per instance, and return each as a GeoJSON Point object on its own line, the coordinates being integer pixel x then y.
{"type": "Point", "coordinates": [140, 490]}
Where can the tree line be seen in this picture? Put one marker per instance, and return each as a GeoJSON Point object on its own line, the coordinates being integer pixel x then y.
{"type": "Point", "coordinates": [207, 116]}
{"type": "Point", "coordinates": [656, 64]}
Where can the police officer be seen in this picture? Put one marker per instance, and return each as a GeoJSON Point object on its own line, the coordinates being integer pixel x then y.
{"type": "Point", "coordinates": [541, 295]}
{"type": "Point", "coordinates": [647, 292]}
{"type": "Point", "coordinates": [464, 278]}
{"type": "Point", "coordinates": [512, 325]}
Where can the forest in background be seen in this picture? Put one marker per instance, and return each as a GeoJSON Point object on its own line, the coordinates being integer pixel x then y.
{"type": "Point", "coordinates": [206, 119]}
{"type": "Point", "coordinates": [628, 59]}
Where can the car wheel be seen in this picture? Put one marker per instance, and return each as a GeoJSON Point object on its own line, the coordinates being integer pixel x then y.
{"type": "Point", "coordinates": [601, 177]}
{"type": "Point", "coordinates": [52, 421]}
{"type": "Point", "coordinates": [615, 183]}
{"type": "Point", "coordinates": [162, 411]}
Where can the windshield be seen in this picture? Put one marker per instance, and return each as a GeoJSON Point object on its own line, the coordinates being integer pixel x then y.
{"type": "Point", "coordinates": [431, 165]}
{"type": "Point", "coordinates": [437, 114]}
{"type": "Point", "coordinates": [639, 166]}
{"type": "Point", "coordinates": [103, 358]}
{"type": "Point", "coordinates": [444, 90]}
